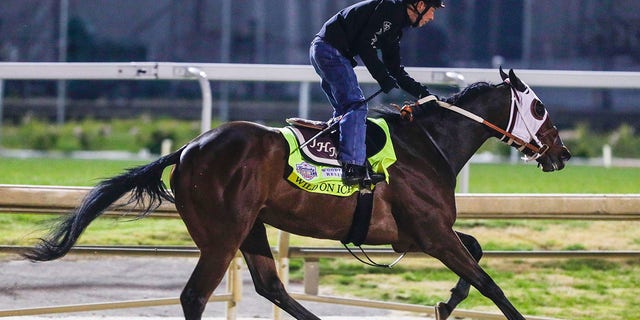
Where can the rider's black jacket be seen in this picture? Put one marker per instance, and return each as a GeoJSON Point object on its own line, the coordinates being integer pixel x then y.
{"type": "Point", "coordinates": [368, 26]}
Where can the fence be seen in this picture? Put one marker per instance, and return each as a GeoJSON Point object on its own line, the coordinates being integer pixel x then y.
{"type": "Point", "coordinates": [612, 207]}
{"type": "Point", "coordinates": [512, 206]}
{"type": "Point", "coordinates": [303, 74]}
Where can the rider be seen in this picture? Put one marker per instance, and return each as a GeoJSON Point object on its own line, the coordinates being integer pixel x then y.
{"type": "Point", "coordinates": [361, 30]}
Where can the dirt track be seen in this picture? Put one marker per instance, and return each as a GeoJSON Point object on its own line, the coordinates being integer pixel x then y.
{"type": "Point", "coordinates": [76, 280]}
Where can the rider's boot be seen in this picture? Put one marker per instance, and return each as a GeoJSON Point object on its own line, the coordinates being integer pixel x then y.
{"type": "Point", "coordinates": [353, 174]}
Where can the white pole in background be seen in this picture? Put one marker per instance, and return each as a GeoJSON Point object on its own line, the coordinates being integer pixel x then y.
{"type": "Point", "coordinates": [62, 57]}
{"type": "Point", "coordinates": [1, 108]}
{"type": "Point", "coordinates": [225, 57]}
{"type": "Point", "coordinates": [527, 32]}
{"type": "Point", "coordinates": [205, 88]}
{"type": "Point", "coordinates": [607, 156]}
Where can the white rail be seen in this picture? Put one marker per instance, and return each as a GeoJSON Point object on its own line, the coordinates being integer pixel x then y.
{"type": "Point", "coordinates": [303, 74]}
{"type": "Point", "coordinates": [610, 207]}
{"type": "Point", "coordinates": [295, 73]}
{"type": "Point", "coordinates": [205, 72]}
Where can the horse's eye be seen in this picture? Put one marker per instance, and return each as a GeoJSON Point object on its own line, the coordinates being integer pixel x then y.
{"type": "Point", "coordinates": [538, 110]}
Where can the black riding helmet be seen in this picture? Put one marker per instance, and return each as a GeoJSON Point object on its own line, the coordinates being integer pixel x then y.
{"type": "Point", "coordinates": [430, 3]}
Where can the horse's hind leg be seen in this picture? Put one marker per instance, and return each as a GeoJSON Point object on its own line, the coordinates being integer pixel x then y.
{"type": "Point", "coordinates": [461, 290]}
{"type": "Point", "coordinates": [259, 259]}
{"type": "Point", "coordinates": [217, 233]}
{"type": "Point", "coordinates": [205, 278]}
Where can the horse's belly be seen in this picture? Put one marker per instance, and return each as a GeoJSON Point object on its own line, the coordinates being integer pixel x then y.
{"type": "Point", "coordinates": [329, 219]}
{"type": "Point", "coordinates": [321, 224]}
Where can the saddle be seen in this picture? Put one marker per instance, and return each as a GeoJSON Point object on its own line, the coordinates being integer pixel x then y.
{"type": "Point", "coordinates": [324, 148]}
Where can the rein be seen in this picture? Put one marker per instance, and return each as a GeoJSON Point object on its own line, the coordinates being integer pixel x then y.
{"type": "Point", "coordinates": [407, 113]}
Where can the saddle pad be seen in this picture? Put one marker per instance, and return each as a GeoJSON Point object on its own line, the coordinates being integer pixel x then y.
{"type": "Point", "coordinates": [323, 178]}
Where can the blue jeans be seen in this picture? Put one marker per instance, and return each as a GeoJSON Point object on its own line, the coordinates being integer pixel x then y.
{"type": "Point", "coordinates": [340, 84]}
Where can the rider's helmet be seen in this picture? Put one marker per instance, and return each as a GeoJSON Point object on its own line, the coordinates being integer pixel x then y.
{"type": "Point", "coordinates": [430, 3]}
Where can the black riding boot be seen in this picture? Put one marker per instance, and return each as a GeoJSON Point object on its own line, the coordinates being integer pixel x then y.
{"type": "Point", "coordinates": [353, 174]}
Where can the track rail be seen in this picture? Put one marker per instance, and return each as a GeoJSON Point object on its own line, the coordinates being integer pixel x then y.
{"type": "Point", "coordinates": [56, 200]}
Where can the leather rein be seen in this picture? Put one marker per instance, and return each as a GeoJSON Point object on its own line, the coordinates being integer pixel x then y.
{"type": "Point", "coordinates": [406, 112]}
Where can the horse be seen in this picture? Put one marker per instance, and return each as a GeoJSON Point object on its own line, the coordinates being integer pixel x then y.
{"type": "Point", "coordinates": [228, 183]}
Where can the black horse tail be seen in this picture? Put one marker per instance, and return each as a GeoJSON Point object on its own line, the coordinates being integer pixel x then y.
{"type": "Point", "coordinates": [147, 191]}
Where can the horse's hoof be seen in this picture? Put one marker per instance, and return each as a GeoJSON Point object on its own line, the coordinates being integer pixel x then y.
{"type": "Point", "coordinates": [442, 311]}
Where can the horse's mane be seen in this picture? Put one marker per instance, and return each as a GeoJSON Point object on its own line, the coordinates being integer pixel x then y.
{"type": "Point", "coordinates": [470, 92]}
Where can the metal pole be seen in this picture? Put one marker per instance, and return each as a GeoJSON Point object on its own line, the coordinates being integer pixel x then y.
{"type": "Point", "coordinates": [527, 33]}
{"type": "Point", "coordinates": [283, 266]}
{"type": "Point", "coordinates": [304, 100]}
{"type": "Point", "coordinates": [234, 286]}
{"type": "Point", "coordinates": [464, 179]}
{"type": "Point", "coordinates": [225, 57]}
{"type": "Point", "coordinates": [260, 42]}
{"type": "Point", "coordinates": [205, 87]}
{"type": "Point", "coordinates": [1, 108]}
{"type": "Point", "coordinates": [62, 57]}
{"type": "Point", "coordinates": [465, 173]}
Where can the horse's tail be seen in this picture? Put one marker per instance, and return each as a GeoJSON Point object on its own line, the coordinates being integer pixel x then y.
{"type": "Point", "coordinates": [142, 181]}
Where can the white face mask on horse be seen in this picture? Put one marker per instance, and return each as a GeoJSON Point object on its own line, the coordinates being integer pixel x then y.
{"type": "Point", "coordinates": [527, 116]}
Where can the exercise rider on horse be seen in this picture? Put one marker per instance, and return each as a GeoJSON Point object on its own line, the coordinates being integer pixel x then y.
{"type": "Point", "coordinates": [361, 30]}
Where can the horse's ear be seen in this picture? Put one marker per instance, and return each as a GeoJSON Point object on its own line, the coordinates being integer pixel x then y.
{"type": "Point", "coordinates": [503, 75]}
{"type": "Point", "coordinates": [515, 81]}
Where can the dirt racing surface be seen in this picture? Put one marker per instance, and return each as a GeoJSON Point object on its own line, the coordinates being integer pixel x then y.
{"type": "Point", "coordinates": [78, 280]}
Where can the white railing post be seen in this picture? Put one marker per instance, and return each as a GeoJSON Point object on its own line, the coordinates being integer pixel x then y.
{"type": "Point", "coordinates": [283, 267]}
{"type": "Point", "coordinates": [234, 286]}
{"type": "Point", "coordinates": [1, 108]}
{"type": "Point", "coordinates": [607, 156]}
{"type": "Point", "coordinates": [463, 180]}
{"type": "Point", "coordinates": [304, 99]}
{"type": "Point", "coordinates": [205, 87]}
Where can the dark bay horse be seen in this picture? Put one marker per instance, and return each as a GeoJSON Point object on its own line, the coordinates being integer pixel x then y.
{"type": "Point", "coordinates": [229, 182]}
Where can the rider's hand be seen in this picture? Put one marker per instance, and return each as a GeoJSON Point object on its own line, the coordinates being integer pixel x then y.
{"type": "Point", "coordinates": [388, 84]}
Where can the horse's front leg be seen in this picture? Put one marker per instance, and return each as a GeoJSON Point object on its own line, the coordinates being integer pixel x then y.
{"type": "Point", "coordinates": [461, 290]}
{"type": "Point", "coordinates": [445, 245]}
{"type": "Point", "coordinates": [257, 254]}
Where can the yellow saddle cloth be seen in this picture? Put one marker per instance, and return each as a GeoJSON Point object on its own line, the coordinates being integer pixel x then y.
{"type": "Point", "coordinates": [313, 176]}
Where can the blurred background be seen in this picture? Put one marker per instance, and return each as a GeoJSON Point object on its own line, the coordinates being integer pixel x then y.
{"type": "Point", "coordinates": [521, 34]}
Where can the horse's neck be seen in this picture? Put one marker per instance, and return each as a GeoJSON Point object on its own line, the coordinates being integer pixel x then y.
{"type": "Point", "coordinates": [457, 137]}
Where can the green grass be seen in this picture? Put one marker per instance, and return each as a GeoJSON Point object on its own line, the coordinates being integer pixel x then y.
{"type": "Point", "coordinates": [61, 172]}
{"type": "Point", "coordinates": [484, 178]}
{"type": "Point", "coordinates": [564, 288]}
{"type": "Point", "coordinates": [521, 178]}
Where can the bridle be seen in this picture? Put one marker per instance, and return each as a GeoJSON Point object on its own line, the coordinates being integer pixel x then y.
{"type": "Point", "coordinates": [517, 112]}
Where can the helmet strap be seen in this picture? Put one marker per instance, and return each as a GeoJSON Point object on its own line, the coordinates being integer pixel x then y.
{"type": "Point", "coordinates": [420, 14]}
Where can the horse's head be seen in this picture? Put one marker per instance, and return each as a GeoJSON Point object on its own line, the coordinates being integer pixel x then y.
{"type": "Point", "coordinates": [530, 123]}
